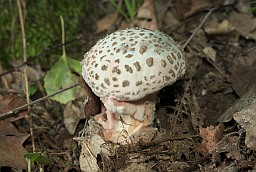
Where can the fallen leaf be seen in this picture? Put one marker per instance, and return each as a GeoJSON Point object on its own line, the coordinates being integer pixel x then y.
{"type": "Point", "coordinates": [170, 21]}
{"type": "Point", "coordinates": [162, 8]}
{"type": "Point", "coordinates": [106, 22]}
{"type": "Point", "coordinates": [92, 144]}
{"type": "Point", "coordinates": [247, 119]}
{"type": "Point", "coordinates": [90, 148]}
{"type": "Point", "coordinates": [240, 104]}
{"type": "Point", "coordinates": [12, 152]}
{"type": "Point", "coordinates": [210, 53]}
{"type": "Point", "coordinates": [139, 167]}
{"type": "Point", "coordinates": [10, 102]}
{"type": "Point", "coordinates": [230, 146]}
{"type": "Point", "coordinates": [72, 116]}
{"type": "Point", "coordinates": [55, 79]}
{"type": "Point", "coordinates": [244, 23]}
{"type": "Point", "coordinates": [211, 136]}
{"type": "Point", "coordinates": [186, 8]}
{"type": "Point", "coordinates": [243, 73]}
{"type": "Point", "coordinates": [243, 82]}
{"type": "Point", "coordinates": [214, 26]}
{"type": "Point", "coordinates": [197, 116]}
{"type": "Point", "coordinates": [147, 17]}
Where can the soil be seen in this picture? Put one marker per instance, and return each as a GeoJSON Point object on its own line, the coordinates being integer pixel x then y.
{"type": "Point", "coordinates": [194, 118]}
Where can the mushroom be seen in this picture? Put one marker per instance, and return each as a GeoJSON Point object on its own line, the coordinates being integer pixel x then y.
{"type": "Point", "coordinates": [126, 69]}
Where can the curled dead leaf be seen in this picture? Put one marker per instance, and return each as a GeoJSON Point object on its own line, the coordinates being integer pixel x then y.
{"type": "Point", "coordinates": [247, 119]}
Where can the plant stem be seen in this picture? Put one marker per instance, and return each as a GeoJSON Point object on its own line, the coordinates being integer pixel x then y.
{"type": "Point", "coordinates": [26, 73]}
{"type": "Point", "coordinates": [63, 36]}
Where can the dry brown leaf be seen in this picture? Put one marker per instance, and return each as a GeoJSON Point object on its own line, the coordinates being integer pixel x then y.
{"type": "Point", "coordinates": [34, 73]}
{"type": "Point", "coordinates": [247, 119]}
{"type": "Point", "coordinates": [90, 148]}
{"type": "Point", "coordinates": [92, 144]}
{"type": "Point", "coordinates": [197, 116]}
{"type": "Point", "coordinates": [138, 167]}
{"type": "Point", "coordinates": [73, 112]}
{"type": "Point", "coordinates": [240, 104]}
{"type": "Point", "coordinates": [10, 102]}
{"type": "Point", "coordinates": [243, 82]}
{"type": "Point", "coordinates": [170, 21]}
{"type": "Point", "coordinates": [244, 23]}
{"type": "Point", "coordinates": [11, 150]}
{"type": "Point", "coordinates": [187, 8]}
{"type": "Point", "coordinates": [72, 116]}
{"type": "Point", "coordinates": [162, 8]}
{"type": "Point", "coordinates": [210, 53]}
{"type": "Point", "coordinates": [230, 145]}
{"type": "Point", "coordinates": [211, 136]}
{"type": "Point", "coordinates": [214, 26]}
{"type": "Point", "coordinates": [147, 17]}
{"type": "Point", "coordinates": [243, 73]}
{"type": "Point", "coordinates": [106, 22]}
{"type": "Point", "coordinates": [243, 6]}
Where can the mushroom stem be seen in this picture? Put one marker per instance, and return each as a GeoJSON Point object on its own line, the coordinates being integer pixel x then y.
{"type": "Point", "coordinates": [122, 121]}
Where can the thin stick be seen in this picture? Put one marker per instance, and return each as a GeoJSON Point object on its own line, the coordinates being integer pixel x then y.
{"type": "Point", "coordinates": [26, 74]}
{"type": "Point", "coordinates": [201, 24]}
{"type": "Point", "coordinates": [246, 51]}
{"type": "Point", "coordinates": [16, 110]}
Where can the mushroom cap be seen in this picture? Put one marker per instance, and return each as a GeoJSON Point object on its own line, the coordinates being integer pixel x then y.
{"type": "Point", "coordinates": [130, 64]}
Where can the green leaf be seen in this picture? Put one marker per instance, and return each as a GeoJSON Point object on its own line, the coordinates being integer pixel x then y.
{"type": "Point", "coordinates": [37, 157]}
{"type": "Point", "coordinates": [252, 9]}
{"type": "Point", "coordinates": [60, 76]}
{"type": "Point", "coordinates": [32, 90]}
{"type": "Point", "coordinates": [75, 65]}
{"type": "Point", "coordinates": [131, 7]}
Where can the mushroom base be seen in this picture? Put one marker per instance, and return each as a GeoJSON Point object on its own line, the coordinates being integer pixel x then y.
{"type": "Point", "coordinates": [124, 122]}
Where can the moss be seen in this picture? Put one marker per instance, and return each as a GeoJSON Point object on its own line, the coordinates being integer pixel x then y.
{"type": "Point", "coordinates": [42, 25]}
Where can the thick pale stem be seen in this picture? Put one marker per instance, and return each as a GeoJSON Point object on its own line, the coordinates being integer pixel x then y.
{"type": "Point", "coordinates": [123, 121]}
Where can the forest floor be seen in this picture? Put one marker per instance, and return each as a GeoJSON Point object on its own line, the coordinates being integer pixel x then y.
{"type": "Point", "coordinates": [206, 121]}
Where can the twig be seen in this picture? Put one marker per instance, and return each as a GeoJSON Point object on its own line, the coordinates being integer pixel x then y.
{"type": "Point", "coordinates": [26, 74]}
{"type": "Point", "coordinates": [201, 24]}
{"type": "Point", "coordinates": [246, 51]}
{"type": "Point", "coordinates": [16, 110]}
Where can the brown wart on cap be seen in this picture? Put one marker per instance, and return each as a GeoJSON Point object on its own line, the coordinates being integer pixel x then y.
{"type": "Point", "coordinates": [141, 62]}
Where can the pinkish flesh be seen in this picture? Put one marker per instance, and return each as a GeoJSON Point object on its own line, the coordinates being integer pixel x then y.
{"type": "Point", "coordinates": [122, 121]}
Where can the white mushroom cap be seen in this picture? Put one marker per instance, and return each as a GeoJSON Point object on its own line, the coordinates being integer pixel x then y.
{"type": "Point", "coordinates": [129, 64]}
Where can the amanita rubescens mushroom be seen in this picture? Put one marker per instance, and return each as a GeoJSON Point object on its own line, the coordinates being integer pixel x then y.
{"type": "Point", "coordinates": [126, 69]}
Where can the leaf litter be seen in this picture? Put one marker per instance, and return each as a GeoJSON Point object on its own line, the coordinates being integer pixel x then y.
{"type": "Point", "coordinates": [12, 151]}
{"type": "Point", "coordinates": [210, 127]}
